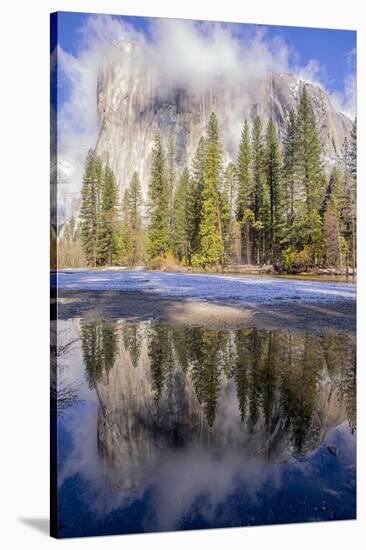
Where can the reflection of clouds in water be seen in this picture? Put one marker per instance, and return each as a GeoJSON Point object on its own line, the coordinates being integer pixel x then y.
{"type": "Point", "coordinates": [181, 478]}
{"type": "Point", "coordinates": [228, 415]}
{"type": "Point", "coordinates": [198, 478]}
{"type": "Point", "coordinates": [200, 481]}
{"type": "Point", "coordinates": [83, 458]}
{"type": "Point", "coordinates": [185, 477]}
{"type": "Point", "coordinates": [195, 478]}
{"type": "Point", "coordinates": [84, 461]}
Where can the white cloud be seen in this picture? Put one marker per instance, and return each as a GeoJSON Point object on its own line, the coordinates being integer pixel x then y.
{"type": "Point", "coordinates": [199, 54]}
{"type": "Point", "coordinates": [346, 101]}
{"type": "Point", "coordinates": [312, 72]}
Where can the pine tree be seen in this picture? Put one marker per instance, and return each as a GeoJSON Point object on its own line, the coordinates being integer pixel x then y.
{"type": "Point", "coordinates": [107, 227]}
{"type": "Point", "coordinates": [353, 150]}
{"type": "Point", "coordinates": [290, 174]}
{"type": "Point", "coordinates": [171, 184]}
{"type": "Point", "coordinates": [333, 195]}
{"type": "Point", "coordinates": [244, 212]}
{"type": "Point", "coordinates": [181, 233]}
{"type": "Point", "coordinates": [228, 197]}
{"type": "Point", "coordinates": [195, 195]}
{"type": "Point", "coordinates": [353, 206]}
{"type": "Point", "coordinates": [332, 242]}
{"type": "Point", "coordinates": [264, 224]}
{"type": "Point", "coordinates": [331, 215]}
{"type": "Point", "coordinates": [89, 209]}
{"type": "Point", "coordinates": [158, 205]}
{"type": "Point", "coordinates": [132, 232]}
{"type": "Point", "coordinates": [126, 234]}
{"type": "Point", "coordinates": [273, 169]}
{"type": "Point", "coordinates": [211, 251]}
{"type": "Point", "coordinates": [348, 213]}
{"type": "Point", "coordinates": [309, 161]}
{"type": "Point", "coordinates": [135, 217]}
{"type": "Point", "coordinates": [259, 207]}
{"type": "Point", "coordinates": [310, 172]}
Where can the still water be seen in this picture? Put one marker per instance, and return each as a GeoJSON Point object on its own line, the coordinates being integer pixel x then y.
{"type": "Point", "coordinates": [163, 427]}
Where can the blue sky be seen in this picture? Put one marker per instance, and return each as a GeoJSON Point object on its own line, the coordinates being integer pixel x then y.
{"type": "Point", "coordinates": [333, 49]}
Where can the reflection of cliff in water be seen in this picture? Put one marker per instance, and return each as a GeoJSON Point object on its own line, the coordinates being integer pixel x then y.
{"type": "Point", "coordinates": [265, 394]}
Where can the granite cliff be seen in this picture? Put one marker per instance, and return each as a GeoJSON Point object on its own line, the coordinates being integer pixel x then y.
{"type": "Point", "coordinates": [134, 103]}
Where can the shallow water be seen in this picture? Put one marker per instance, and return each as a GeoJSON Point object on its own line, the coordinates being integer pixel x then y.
{"type": "Point", "coordinates": [228, 289]}
{"type": "Point", "coordinates": [163, 427]}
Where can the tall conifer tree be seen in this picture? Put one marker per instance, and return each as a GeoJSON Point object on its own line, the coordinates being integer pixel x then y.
{"type": "Point", "coordinates": [107, 226]}
{"type": "Point", "coordinates": [273, 168]}
{"type": "Point", "coordinates": [181, 222]}
{"type": "Point", "coordinates": [171, 183]}
{"type": "Point", "coordinates": [228, 201]}
{"type": "Point", "coordinates": [244, 212]}
{"type": "Point", "coordinates": [195, 195]}
{"type": "Point", "coordinates": [211, 232]}
{"type": "Point", "coordinates": [132, 232]}
{"type": "Point", "coordinates": [310, 172]}
{"type": "Point", "coordinates": [290, 174]}
{"type": "Point", "coordinates": [259, 206]}
{"type": "Point", "coordinates": [158, 204]}
{"type": "Point", "coordinates": [89, 210]}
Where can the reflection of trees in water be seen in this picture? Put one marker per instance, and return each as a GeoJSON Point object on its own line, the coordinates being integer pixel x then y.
{"type": "Point", "coordinates": [345, 364]}
{"type": "Point", "coordinates": [207, 364]}
{"type": "Point", "coordinates": [268, 368]}
{"type": "Point", "coordinates": [132, 340]}
{"type": "Point", "coordinates": [278, 375]}
{"type": "Point", "coordinates": [99, 345]}
{"type": "Point", "coordinates": [160, 354]}
{"type": "Point", "coordinates": [349, 392]}
{"type": "Point", "coordinates": [300, 374]}
{"type": "Point", "coordinates": [63, 395]}
{"type": "Point", "coordinates": [198, 349]}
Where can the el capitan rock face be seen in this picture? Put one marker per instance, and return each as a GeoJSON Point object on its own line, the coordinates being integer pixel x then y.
{"type": "Point", "coordinates": [134, 103]}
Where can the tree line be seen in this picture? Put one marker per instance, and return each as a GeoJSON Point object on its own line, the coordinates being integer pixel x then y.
{"type": "Point", "coordinates": [274, 205]}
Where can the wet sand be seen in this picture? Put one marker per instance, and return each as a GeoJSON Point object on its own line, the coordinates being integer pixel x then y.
{"type": "Point", "coordinates": [132, 306]}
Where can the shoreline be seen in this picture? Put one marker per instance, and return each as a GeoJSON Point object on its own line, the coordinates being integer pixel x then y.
{"type": "Point", "coordinates": [134, 306]}
{"type": "Point", "coordinates": [318, 275]}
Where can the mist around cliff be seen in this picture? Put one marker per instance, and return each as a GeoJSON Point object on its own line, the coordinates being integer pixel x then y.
{"type": "Point", "coordinates": [195, 55]}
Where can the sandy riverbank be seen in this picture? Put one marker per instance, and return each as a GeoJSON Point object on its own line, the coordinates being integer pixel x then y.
{"type": "Point", "coordinates": [134, 306]}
